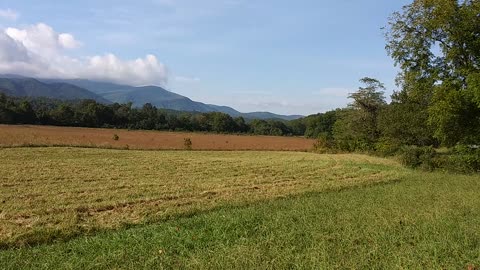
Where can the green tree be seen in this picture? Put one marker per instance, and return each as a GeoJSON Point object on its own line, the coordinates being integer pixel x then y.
{"type": "Point", "coordinates": [241, 125]}
{"type": "Point", "coordinates": [347, 132]}
{"type": "Point", "coordinates": [356, 127]}
{"type": "Point", "coordinates": [298, 127]}
{"type": "Point", "coordinates": [63, 115]}
{"type": "Point", "coordinates": [368, 101]}
{"type": "Point", "coordinates": [25, 113]}
{"type": "Point", "coordinates": [122, 114]}
{"type": "Point", "coordinates": [320, 124]}
{"type": "Point", "coordinates": [436, 44]}
{"type": "Point", "coordinates": [93, 114]}
{"type": "Point", "coordinates": [7, 116]}
{"type": "Point", "coordinates": [405, 124]}
{"type": "Point", "coordinates": [220, 122]}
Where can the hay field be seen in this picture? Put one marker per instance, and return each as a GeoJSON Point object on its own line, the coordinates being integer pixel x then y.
{"type": "Point", "coordinates": [90, 208]}
{"type": "Point", "coordinates": [50, 193]}
{"type": "Point", "coordinates": [28, 135]}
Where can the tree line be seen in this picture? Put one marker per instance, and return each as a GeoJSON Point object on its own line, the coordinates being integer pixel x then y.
{"type": "Point", "coordinates": [436, 45]}
{"type": "Point", "coordinates": [89, 113]}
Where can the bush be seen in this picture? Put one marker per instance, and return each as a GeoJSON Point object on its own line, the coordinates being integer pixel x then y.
{"type": "Point", "coordinates": [428, 158]}
{"type": "Point", "coordinates": [460, 159]}
{"type": "Point", "coordinates": [353, 145]}
{"type": "Point", "coordinates": [386, 147]}
{"type": "Point", "coordinates": [465, 159]}
{"type": "Point", "coordinates": [410, 156]}
{"type": "Point", "coordinates": [415, 157]}
{"type": "Point", "coordinates": [187, 144]}
{"type": "Point", "coordinates": [323, 143]}
{"type": "Point", "coordinates": [115, 137]}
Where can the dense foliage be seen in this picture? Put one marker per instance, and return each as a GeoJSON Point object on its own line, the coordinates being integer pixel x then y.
{"type": "Point", "coordinates": [89, 113]}
{"type": "Point", "coordinates": [436, 43]}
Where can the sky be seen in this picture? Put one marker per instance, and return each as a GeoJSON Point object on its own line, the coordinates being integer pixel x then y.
{"type": "Point", "coordinates": [286, 57]}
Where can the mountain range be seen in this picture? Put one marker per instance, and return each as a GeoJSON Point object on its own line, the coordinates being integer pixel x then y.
{"type": "Point", "coordinates": [105, 92]}
{"type": "Point", "coordinates": [28, 87]}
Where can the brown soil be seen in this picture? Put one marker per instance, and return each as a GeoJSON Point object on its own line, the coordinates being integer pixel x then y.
{"type": "Point", "coordinates": [19, 135]}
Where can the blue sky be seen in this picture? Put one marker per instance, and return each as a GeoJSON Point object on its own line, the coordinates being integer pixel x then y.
{"type": "Point", "coordinates": [289, 57]}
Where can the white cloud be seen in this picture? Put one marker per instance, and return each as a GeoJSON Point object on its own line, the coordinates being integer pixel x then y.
{"type": "Point", "coordinates": [8, 14]}
{"type": "Point", "coordinates": [68, 41]}
{"type": "Point", "coordinates": [12, 51]}
{"type": "Point", "coordinates": [138, 72]}
{"type": "Point", "coordinates": [41, 39]}
{"type": "Point", "coordinates": [39, 51]}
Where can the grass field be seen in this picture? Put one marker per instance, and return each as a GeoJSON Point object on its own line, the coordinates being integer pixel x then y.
{"type": "Point", "coordinates": [58, 192]}
{"type": "Point", "coordinates": [27, 135]}
{"type": "Point", "coordinates": [222, 210]}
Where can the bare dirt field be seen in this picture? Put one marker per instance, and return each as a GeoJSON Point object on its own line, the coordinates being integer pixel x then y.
{"type": "Point", "coordinates": [29, 135]}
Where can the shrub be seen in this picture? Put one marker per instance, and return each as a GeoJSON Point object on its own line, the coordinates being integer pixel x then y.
{"type": "Point", "coordinates": [387, 147]}
{"type": "Point", "coordinates": [414, 157]}
{"type": "Point", "coordinates": [353, 145]}
{"type": "Point", "coordinates": [323, 143]}
{"type": "Point", "coordinates": [187, 144]}
{"type": "Point", "coordinates": [115, 137]}
{"type": "Point", "coordinates": [427, 158]}
{"type": "Point", "coordinates": [465, 159]}
{"type": "Point", "coordinates": [410, 156]}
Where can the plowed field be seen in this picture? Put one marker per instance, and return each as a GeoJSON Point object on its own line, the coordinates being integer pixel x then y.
{"type": "Point", "coordinates": [27, 135]}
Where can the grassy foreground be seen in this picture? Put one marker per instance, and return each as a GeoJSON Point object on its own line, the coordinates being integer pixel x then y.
{"type": "Point", "coordinates": [232, 210]}
{"type": "Point", "coordinates": [59, 193]}
{"type": "Point", "coordinates": [429, 221]}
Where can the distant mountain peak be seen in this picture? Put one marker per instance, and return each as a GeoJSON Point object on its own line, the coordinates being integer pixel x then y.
{"type": "Point", "coordinates": [107, 92]}
{"type": "Point", "coordinates": [30, 87]}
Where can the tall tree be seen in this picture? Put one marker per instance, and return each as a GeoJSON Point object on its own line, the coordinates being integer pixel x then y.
{"type": "Point", "coordinates": [436, 44]}
{"type": "Point", "coordinates": [356, 128]}
{"type": "Point", "coordinates": [368, 101]}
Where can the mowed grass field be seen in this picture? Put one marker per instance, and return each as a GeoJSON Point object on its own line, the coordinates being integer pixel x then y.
{"type": "Point", "coordinates": [77, 208]}
{"type": "Point", "coordinates": [30, 135]}
{"type": "Point", "coordinates": [49, 193]}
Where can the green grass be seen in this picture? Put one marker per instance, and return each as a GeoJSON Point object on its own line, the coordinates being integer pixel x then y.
{"type": "Point", "coordinates": [59, 193]}
{"type": "Point", "coordinates": [429, 221]}
{"type": "Point", "coordinates": [407, 220]}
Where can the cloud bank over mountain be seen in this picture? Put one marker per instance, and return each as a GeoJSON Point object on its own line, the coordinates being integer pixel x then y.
{"type": "Point", "coordinates": [39, 51]}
